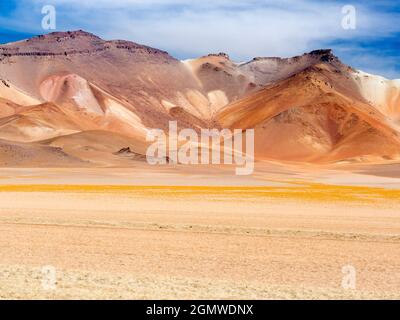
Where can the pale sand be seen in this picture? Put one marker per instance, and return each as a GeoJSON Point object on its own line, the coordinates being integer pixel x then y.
{"type": "Point", "coordinates": [289, 241]}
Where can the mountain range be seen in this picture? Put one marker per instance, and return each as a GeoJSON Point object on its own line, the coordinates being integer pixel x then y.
{"type": "Point", "coordinates": [74, 99]}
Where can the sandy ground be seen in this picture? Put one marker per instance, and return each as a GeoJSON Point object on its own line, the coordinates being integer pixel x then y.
{"type": "Point", "coordinates": [281, 240]}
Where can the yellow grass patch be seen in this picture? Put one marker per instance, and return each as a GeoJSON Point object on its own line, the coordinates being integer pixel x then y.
{"type": "Point", "coordinates": [306, 192]}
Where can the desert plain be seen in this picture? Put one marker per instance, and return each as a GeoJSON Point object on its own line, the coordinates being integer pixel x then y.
{"type": "Point", "coordinates": [84, 216]}
{"type": "Point", "coordinates": [199, 233]}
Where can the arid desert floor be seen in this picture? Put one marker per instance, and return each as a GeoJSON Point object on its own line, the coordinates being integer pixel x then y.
{"type": "Point", "coordinates": [131, 234]}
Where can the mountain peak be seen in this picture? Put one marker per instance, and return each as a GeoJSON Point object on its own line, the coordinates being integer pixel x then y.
{"type": "Point", "coordinates": [321, 52]}
{"type": "Point", "coordinates": [68, 43]}
{"type": "Point", "coordinates": [221, 54]}
{"type": "Point", "coordinates": [325, 55]}
{"type": "Point", "coordinates": [65, 35]}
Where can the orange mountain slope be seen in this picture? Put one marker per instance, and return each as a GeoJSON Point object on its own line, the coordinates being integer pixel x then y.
{"type": "Point", "coordinates": [313, 116]}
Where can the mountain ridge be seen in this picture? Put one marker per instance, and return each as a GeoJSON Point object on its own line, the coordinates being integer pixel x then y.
{"type": "Point", "coordinates": [67, 83]}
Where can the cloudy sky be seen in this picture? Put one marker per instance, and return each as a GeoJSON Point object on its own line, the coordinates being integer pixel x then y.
{"type": "Point", "coordinates": [242, 28]}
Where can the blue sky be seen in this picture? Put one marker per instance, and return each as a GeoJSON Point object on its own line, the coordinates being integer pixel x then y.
{"type": "Point", "coordinates": [242, 28]}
